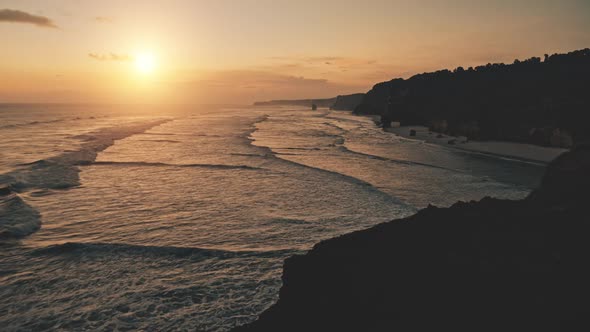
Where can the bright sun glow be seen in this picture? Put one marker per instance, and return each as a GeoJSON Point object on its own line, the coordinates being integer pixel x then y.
{"type": "Point", "coordinates": [145, 63]}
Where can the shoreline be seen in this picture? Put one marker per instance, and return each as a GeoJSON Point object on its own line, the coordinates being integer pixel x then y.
{"type": "Point", "coordinates": [502, 149]}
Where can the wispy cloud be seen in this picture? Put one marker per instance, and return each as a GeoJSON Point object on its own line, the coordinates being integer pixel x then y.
{"type": "Point", "coordinates": [17, 16]}
{"type": "Point", "coordinates": [110, 57]}
{"type": "Point", "coordinates": [323, 60]}
{"type": "Point", "coordinates": [360, 71]}
{"type": "Point", "coordinates": [253, 78]}
{"type": "Point", "coordinates": [330, 65]}
{"type": "Point", "coordinates": [103, 19]}
{"type": "Point", "coordinates": [249, 85]}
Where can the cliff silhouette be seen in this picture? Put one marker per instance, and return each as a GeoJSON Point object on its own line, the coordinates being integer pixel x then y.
{"type": "Point", "coordinates": [348, 102]}
{"type": "Point", "coordinates": [539, 101]}
{"type": "Point", "coordinates": [492, 265]}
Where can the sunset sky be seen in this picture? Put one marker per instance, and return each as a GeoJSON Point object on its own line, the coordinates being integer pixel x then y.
{"type": "Point", "coordinates": [241, 51]}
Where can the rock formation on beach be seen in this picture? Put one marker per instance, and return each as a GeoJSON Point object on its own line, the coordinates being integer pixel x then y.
{"type": "Point", "coordinates": [492, 265]}
{"type": "Point", "coordinates": [538, 101]}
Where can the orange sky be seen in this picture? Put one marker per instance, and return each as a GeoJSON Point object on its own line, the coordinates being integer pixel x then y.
{"type": "Point", "coordinates": [241, 51]}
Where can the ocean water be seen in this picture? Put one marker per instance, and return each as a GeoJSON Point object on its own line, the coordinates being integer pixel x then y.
{"type": "Point", "coordinates": [161, 218]}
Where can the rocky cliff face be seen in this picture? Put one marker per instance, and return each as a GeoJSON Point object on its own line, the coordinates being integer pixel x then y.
{"type": "Point", "coordinates": [492, 265]}
{"type": "Point", "coordinates": [376, 100]}
{"type": "Point", "coordinates": [535, 101]}
{"type": "Point", "coordinates": [348, 102]}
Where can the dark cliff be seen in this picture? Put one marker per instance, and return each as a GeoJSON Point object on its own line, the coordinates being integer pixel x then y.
{"type": "Point", "coordinates": [348, 102]}
{"type": "Point", "coordinates": [492, 265]}
{"type": "Point", "coordinates": [540, 101]}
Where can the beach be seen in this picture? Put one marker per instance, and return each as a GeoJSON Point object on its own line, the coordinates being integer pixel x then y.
{"type": "Point", "coordinates": [521, 151]}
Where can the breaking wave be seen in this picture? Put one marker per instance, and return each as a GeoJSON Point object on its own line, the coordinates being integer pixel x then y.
{"type": "Point", "coordinates": [148, 164]}
{"type": "Point", "coordinates": [396, 161]}
{"type": "Point", "coordinates": [60, 172]}
{"type": "Point", "coordinates": [17, 218]}
{"type": "Point", "coordinates": [31, 123]}
{"type": "Point", "coordinates": [141, 250]}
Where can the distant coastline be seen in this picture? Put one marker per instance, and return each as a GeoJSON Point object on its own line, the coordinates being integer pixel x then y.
{"type": "Point", "coordinates": [321, 102]}
{"type": "Point", "coordinates": [341, 102]}
{"type": "Point", "coordinates": [532, 102]}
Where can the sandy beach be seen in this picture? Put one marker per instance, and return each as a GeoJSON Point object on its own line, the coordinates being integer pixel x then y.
{"type": "Point", "coordinates": [527, 152]}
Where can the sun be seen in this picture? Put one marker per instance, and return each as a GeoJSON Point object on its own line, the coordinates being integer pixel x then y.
{"type": "Point", "coordinates": [145, 62]}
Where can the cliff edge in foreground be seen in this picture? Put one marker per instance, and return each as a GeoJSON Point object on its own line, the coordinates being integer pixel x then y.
{"type": "Point", "coordinates": [492, 265]}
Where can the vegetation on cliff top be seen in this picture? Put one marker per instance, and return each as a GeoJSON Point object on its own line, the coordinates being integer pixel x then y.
{"type": "Point", "coordinates": [540, 101]}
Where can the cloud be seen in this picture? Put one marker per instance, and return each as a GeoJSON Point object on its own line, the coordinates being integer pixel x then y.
{"type": "Point", "coordinates": [352, 71]}
{"type": "Point", "coordinates": [254, 78]}
{"type": "Point", "coordinates": [323, 60]}
{"type": "Point", "coordinates": [249, 85]}
{"type": "Point", "coordinates": [103, 19]}
{"type": "Point", "coordinates": [110, 57]}
{"type": "Point", "coordinates": [17, 16]}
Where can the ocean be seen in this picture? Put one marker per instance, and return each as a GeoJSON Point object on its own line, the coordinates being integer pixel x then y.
{"type": "Point", "coordinates": [179, 218]}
